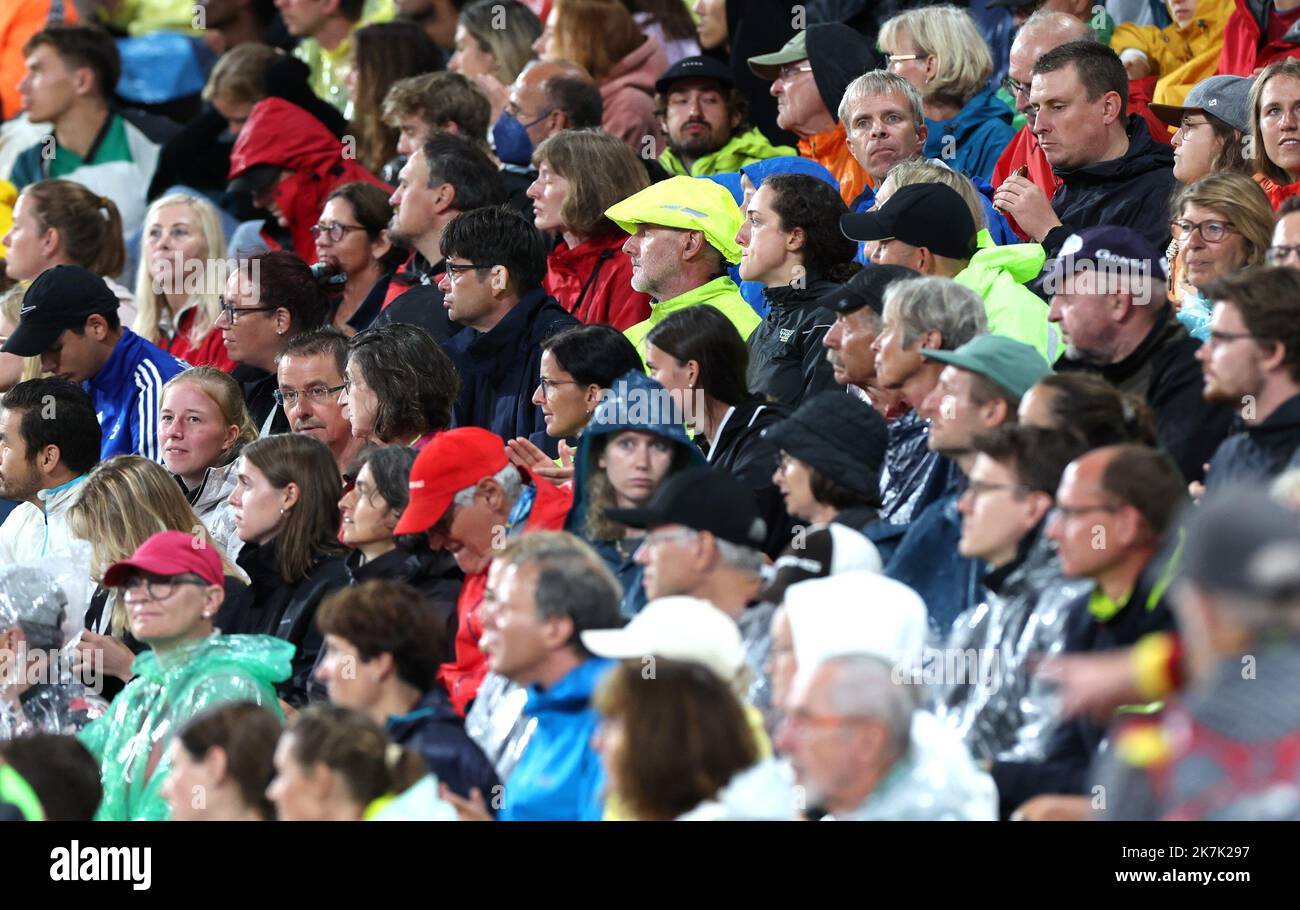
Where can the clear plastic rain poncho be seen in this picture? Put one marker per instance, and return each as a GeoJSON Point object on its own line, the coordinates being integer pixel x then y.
{"type": "Point", "coordinates": [1005, 712]}
{"type": "Point", "coordinates": [131, 741]}
{"type": "Point", "coordinates": [39, 690]}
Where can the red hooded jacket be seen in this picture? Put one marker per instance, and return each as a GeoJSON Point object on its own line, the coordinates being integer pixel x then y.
{"type": "Point", "coordinates": [1246, 47]}
{"type": "Point", "coordinates": [601, 267]}
{"type": "Point", "coordinates": [464, 674]}
{"type": "Point", "coordinates": [288, 137]}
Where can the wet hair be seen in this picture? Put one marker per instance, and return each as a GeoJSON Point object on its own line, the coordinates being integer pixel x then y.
{"type": "Point", "coordinates": [414, 380]}
{"type": "Point", "coordinates": [805, 202]}
{"type": "Point", "coordinates": [498, 235]}
{"type": "Point", "coordinates": [247, 734]}
{"type": "Point", "coordinates": [685, 735]}
{"type": "Point", "coordinates": [1096, 412]}
{"type": "Point", "coordinates": [385, 617]}
{"type": "Point", "coordinates": [385, 52]}
{"type": "Point", "coordinates": [312, 525]}
{"type": "Point", "coordinates": [371, 209]}
{"type": "Point", "coordinates": [703, 334]}
{"type": "Point", "coordinates": [75, 431]}
{"type": "Point", "coordinates": [593, 354]}
{"type": "Point", "coordinates": [356, 748]}
{"type": "Point", "coordinates": [60, 770]}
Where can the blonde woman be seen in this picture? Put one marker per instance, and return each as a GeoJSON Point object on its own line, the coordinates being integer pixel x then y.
{"type": "Point", "coordinates": [14, 369]}
{"type": "Point", "coordinates": [1221, 223]}
{"type": "Point", "coordinates": [123, 502]}
{"type": "Point", "coordinates": [203, 425]}
{"type": "Point", "coordinates": [179, 281]}
{"type": "Point", "coordinates": [940, 51]}
{"type": "Point", "coordinates": [494, 42]}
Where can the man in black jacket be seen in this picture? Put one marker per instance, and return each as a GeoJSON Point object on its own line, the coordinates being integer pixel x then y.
{"type": "Point", "coordinates": [446, 175]}
{"type": "Point", "coordinates": [495, 262]}
{"type": "Point", "coordinates": [1112, 171]}
{"type": "Point", "coordinates": [1107, 290]}
{"type": "Point", "coordinates": [1114, 513]}
{"type": "Point", "coordinates": [1252, 362]}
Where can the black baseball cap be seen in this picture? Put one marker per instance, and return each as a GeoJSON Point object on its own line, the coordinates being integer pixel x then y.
{"type": "Point", "coordinates": [702, 499]}
{"type": "Point", "coordinates": [866, 289]}
{"type": "Point", "coordinates": [255, 178]}
{"type": "Point", "coordinates": [60, 298]}
{"type": "Point", "coordinates": [700, 67]}
{"type": "Point", "coordinates": [932, 215]}
{"type": "Point", "coordinates": [1241, 542]}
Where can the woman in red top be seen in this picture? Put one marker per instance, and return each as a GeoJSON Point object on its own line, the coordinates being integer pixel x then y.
{"type": "Point", "coordinates": [580, 173]}
{"type": "Point", "coordinates": [178, 285]}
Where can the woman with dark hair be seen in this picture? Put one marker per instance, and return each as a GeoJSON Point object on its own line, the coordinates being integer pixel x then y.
{"type": "Point", "coordinates": [581, 173]}
{"type": "Point", "coordinates": [700, 358]}
{"type": "Point", "coordinates": [1089, 407]}
{"type": "Point", "coordinates": [383, 53]}
{"type": "Point", "coordinates": [336, 764]}
{"type": "Point", "coordinates": [635, 441]}
{"type": "Point", "coordinates": [399, 386]}
{"type": "Point", "coordinates": [286, 502]}
{"type": "Point", "coordinates": [352, 240]}
{"type": "Point", "coordinates": [578, 365]}
{"type": "Point", "coordinates": [371, 508]}
{"type": "Point", "coordinates": [793, 247]}
{"type": "Point", "coordinates": [671, 743]}
{"type": "Point", "coordinates": [226, 755]}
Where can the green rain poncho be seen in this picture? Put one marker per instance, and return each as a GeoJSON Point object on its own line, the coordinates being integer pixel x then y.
{"type": "Point", "coordinates": [131, 741]}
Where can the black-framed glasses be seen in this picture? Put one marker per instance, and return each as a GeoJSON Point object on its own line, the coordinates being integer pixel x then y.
{"type": "Point", "coordinates": [316, 394]}
{"type": "Point", "coordinates": [334, 231]}
{"type": "Point", "coordinates": [548, 385]}
{"type": "Point", "coordinates": [1211, 231]}
{"type": "Point", "coordinates": [232, 312]}
{"type": "Point", "coordinates": [1015, 87]}
{"type": "Point", "coordinates": [1218, 339]}
{"type": "Point", "coordinates": [159, 588]}
{"type": "Point", "coordinates": [460, 268]}
{"type": "Point", "coordinates": [1280, 253]}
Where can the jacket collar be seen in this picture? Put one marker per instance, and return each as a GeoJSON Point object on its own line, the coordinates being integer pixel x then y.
{"type": "Point", "coordinates": [58, 499]}
{"type": "Point", "coordinates": [113, 374]}
{"type": "Point", "coordinates": [702, 294]}
{"type": "Point", "coordinates": [507, 333]}
{"type": "Point", "coordinates": [1286, 417]}
{"type": "Point", "coordinates": [1166, 329]}
{"type": "Point", "coordinates": [1142, 156]}
{"type": "Point", "coordinates": [572, 692]}
{"type": "Point", "coordinates": [434, 705]}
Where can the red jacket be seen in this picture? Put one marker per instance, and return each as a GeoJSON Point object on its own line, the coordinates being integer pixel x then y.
{"type": "Point", "coordinates": [1022, 150]}
{"type": "Point", "coordinates": [210, 352]}
{"type": "Point", "coordinates": [609, 298]}
{"type": "Point", "coordinates": [1247, 26]}
{"type": "Point", "coordinates": [464, 674]}
{"type": "Point", "coordinates": [1139, 102]}
{"type": "Point", "coordinates": [285, 135]}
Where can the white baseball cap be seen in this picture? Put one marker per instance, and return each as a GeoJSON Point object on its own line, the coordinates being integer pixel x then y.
{"type": "Point", "coordinates": [855, 612]}
{"type": "Point", "coordinates": [678, 628]}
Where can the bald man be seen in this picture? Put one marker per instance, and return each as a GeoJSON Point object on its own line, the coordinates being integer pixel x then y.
{"type": "Point", "coordinates": [1113, 522]}
{"type": "Point", "coordinates": [554, 95]}
{"type": "Point", "coordinates": [1042, 32]}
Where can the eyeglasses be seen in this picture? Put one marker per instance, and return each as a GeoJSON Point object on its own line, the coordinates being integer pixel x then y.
{"type": "Point", "coordinates": [460, 268]}
{"type": "Point", "coordinates": [335, 231]}
{"type": "Point", "coordinates": [891, 59]}
{"type": "Point", "coordinates": [977, 488]}
{"type": "Point", "coordinates": [316, 394]}
{"type": "Point", "coordinates": [1279, 254]}
{"type": "Point", "coordinates": [1065, 513]}
{"type": "Point", "coordinates": [1218, 339]}
{"type": "Point", "coordinates": [1211, 231]}
{"type": "Point", "coordinates": [159, 589]}
{"type": "Point", "coordinates": [1015, 87]}
{"type": "Point", "coordinates": [790, 70]}
{"type": "Point", "coordinates": [1188, 125]}
{"type": "Point", "coordinates": [232, 312]}
{"type": "Point", "coordinates": [548, 385]}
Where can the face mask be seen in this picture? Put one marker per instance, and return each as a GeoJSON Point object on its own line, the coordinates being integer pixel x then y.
{"type": "Point", "coordinates": [510, 137]}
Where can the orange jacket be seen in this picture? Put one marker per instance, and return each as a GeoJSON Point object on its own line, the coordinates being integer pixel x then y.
{"type": "Point", "coordinates": [19, 20]}
{"type": "Point", "coordinates": [831, 150]}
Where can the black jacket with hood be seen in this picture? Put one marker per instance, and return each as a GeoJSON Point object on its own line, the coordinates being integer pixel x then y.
{"type": "Point", "coordinates": [1132, 191]}
{"type": "Point", "coordinates": [433, 573]}
{"type": "Point", "coordinates": [1164, 372]}
{"type": "Point", "coordinates": [743, 453]}
{"type": "Point", "coordinates": [287, 611]}
{"type": "Point", "coordinates": [1260, 452]}
{"type": "Point", "coordinates": [787, 361]}
{"type": "Point", "coordinates": [434, 729]}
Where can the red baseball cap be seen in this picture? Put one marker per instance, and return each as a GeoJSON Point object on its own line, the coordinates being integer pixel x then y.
{"type": "Point", "coordinates": [453, 461]}
{"type": "Point", "coordinates": [171, 553]}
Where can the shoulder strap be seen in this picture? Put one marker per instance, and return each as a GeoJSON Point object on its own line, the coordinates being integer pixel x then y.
{"type": "Point", "coordinates": [591, 279]}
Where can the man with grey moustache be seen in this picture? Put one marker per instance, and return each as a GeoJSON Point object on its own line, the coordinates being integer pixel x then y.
{"type": "Point", "coordinates": [310, 375]}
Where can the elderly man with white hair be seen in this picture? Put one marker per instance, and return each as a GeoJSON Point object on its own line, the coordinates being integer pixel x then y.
{"type": "Point", "coordinates": [860, 746]}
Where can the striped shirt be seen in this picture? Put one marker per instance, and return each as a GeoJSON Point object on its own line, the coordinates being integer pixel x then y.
{"type": "Point", "coordinates": [127, 393]}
